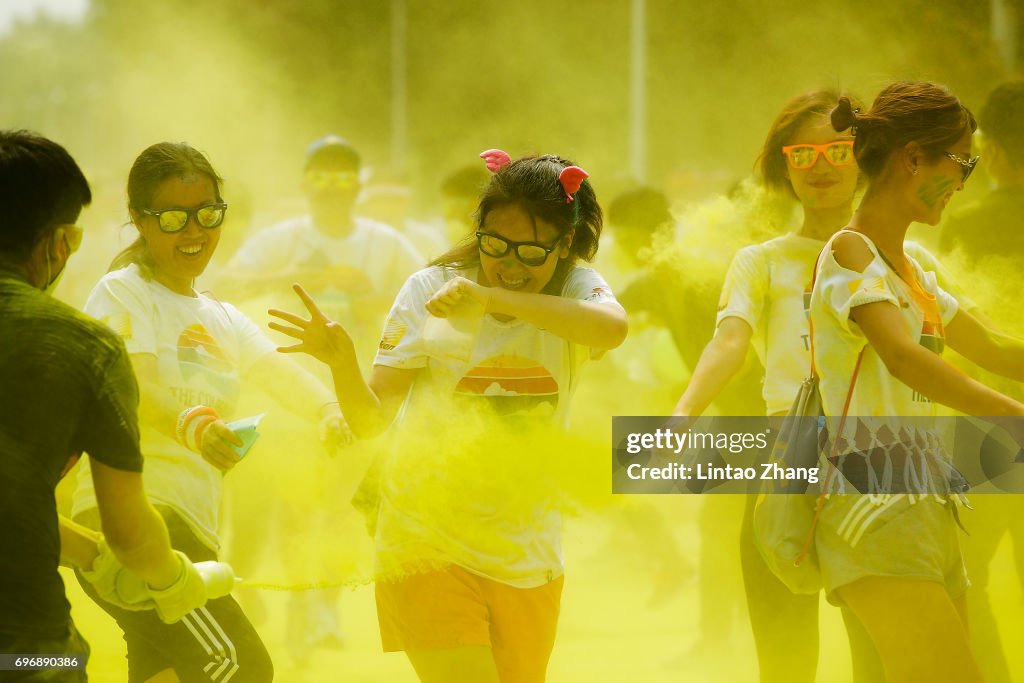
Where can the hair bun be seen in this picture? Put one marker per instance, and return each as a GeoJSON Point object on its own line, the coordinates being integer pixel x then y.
{"type": "Point", "coordinates": [844, 115]}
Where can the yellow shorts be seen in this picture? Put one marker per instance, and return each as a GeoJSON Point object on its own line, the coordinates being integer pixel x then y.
{"type": "Point", "coordinates": [453, 607]}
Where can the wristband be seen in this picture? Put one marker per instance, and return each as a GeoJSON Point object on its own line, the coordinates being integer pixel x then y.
{"type": "Point", "coordinates": [191, 423]}
{"type": "Point", "coordinates": [195, 430]}
{"type": "Point", "coordinates": [187, 593]}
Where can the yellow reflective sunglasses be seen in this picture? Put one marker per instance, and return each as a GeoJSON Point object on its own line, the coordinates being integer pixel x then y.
{"type": "Point", "coordinates": [341, 180]}
{"type": "Point", "coordinates": [175, 220]}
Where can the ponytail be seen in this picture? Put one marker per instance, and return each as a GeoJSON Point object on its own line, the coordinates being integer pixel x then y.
{"type": "Point", "coordinates": [138, 253]}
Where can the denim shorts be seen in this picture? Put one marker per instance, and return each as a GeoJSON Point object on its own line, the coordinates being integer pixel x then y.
{"type": "Point", "coordinates": [903, 536]}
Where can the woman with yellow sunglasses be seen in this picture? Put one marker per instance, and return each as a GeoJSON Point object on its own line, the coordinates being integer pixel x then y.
{"type": "Point", "coordinates": [763, 304]}
{"type": "Point", "coordinates": [193, 356]}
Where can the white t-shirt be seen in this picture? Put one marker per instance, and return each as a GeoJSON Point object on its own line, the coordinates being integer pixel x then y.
{"type": "Point", "coordinates": [374, 252]}
{"type": "Point", "coordinates": [203, 347]}
{"type": "Point", "coordinates": [452, 491]}
{"type": "Point", "coordinates": [427, 238]}
{"type": "Point", "coordinates": [926, 309]}
{"type": "Point", "coordinates": [378, 250]}
{"type": "Point", "coordinates": [768, 286]}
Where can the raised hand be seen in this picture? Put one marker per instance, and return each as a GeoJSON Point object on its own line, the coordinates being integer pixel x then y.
{"type": "Point", "coordinates": [457, 290]}
{"type": "Point", "coordinates": [319, 336]}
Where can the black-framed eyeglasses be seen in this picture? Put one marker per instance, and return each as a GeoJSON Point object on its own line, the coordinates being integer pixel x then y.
{"type": "Point", "coordinates": [966, 165]}
{"type": "Point", "coordinates": [209, 216]}
{"type": "Point", "coordinates": [529, 253]}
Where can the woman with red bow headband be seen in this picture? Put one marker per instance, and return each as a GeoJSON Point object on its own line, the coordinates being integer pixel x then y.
{"type": "Point", "coordinates": [487, 341]}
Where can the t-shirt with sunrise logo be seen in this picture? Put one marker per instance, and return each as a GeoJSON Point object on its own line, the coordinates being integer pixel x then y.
{"type": "Point", "coordinates": [464, 480]}
{"type": "Point", "coordinates": [202, 347]}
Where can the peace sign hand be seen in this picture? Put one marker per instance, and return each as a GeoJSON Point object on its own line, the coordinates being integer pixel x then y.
{"type": "Point", "coordinates": [320, 337]}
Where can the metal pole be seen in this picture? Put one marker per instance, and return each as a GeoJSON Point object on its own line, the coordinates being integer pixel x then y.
{"type": "Point", "coordinates": [398, 85]}
{"type": "Point", "coordinates": [638, 91]}
{"type": "Point", "coordinates": [1004, 33]}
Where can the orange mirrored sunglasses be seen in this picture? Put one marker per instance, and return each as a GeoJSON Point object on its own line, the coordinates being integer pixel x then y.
{"type": "Point", "coordinates": [837, 153]}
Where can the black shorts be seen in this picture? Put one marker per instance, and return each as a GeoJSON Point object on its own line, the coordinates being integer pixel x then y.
{"type": "Point", "coordinates": [213, 643]}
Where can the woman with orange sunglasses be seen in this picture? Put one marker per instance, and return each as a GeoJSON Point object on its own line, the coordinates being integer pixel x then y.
{"type": "Point", "coordinates": [764, 304]}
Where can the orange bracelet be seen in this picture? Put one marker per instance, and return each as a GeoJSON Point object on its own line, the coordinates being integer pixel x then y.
{"type": "Point", "coordinates": [185, 427]}
{"type": "Point", "coordinates": [196, 427]}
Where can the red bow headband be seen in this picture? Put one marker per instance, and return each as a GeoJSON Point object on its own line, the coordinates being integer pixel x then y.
{"type": "Point", "coordinates": [571, 177]}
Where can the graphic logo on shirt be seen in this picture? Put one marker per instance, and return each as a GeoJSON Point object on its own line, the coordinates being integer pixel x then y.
{"type": "Point", "coordinates": [932, 336]}
{"type": "Point", "coordinates": [806, 337]}
{"type": "Point", "coordinates": [871, 284]}
{"type": "Point", "coordinates": [511, 384]}
{"type": "Point", "coordinates": [723, 300]}
{"type": "Point", "coordinates": [207, 370]}
{"type": "Point", "coordinates": [199, 351]}
{"type": "Point", "coordinates": [394, 330]}
{"type": "Point", "coordinates": [198, 348]}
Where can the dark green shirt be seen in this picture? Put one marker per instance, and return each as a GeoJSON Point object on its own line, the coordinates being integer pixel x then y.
{"type": "Point", "coordinates": [66, 387]}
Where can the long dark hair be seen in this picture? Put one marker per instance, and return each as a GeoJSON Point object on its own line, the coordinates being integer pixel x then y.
{"type": "Point", "coordinates": [156, 164]}
{"type": "Point", "coordinates": [532, 184]}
